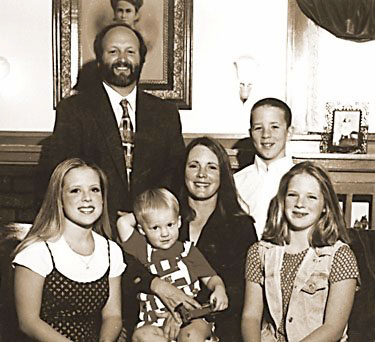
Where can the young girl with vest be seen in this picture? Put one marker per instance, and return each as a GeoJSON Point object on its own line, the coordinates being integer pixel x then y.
{"type": "Point", "coordinates": [301, 278]}
{"type": "Point", "coordinates": [67, 274]}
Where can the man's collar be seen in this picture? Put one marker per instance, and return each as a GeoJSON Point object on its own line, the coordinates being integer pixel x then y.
{"type": "Point", "coordinates": [132, 98]}
{"type": "Point", "coordinates": [116, 97]}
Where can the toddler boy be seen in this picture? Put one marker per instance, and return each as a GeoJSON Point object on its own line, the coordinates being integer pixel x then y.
{"type": "Point", "coordinates": [156, 245]}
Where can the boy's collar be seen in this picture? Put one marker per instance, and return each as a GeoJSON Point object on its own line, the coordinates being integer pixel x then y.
{"type": "Point", "coordinates": [262, 166]}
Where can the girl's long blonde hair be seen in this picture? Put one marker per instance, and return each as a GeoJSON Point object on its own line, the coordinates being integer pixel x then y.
{"type": "Point", "coordinates": [48, 224]}
{"type": "Point", "coordinates": [330, 226]}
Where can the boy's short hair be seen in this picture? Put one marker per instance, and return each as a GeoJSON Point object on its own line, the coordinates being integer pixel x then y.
{"type": "Point", "coordinates": [273, 102]}
{"type": "Point", "coordinates": [152, 200]}
{"type": "Point", "coordinates": [136, 3]}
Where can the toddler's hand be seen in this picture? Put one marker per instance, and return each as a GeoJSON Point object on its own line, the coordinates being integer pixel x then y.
{"type": "Point", "coordinates": [219, 298]}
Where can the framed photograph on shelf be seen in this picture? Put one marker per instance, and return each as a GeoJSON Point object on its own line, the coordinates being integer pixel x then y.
{"type": "Point", "coordinates": [166, 26]}
{"type": "Point", "coordinates": [346, 128]}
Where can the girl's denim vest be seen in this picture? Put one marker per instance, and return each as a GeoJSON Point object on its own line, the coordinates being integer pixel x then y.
{"type": "Point", "coordinates": [309, 295]}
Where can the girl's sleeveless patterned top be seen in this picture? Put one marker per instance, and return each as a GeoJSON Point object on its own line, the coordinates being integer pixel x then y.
{"type": "Point", "coordinates": [74, 308]}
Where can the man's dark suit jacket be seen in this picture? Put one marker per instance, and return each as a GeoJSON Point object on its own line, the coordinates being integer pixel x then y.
{"type": "Point", "coordinates": [86, 127]}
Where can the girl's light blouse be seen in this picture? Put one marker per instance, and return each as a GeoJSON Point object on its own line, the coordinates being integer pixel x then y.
{"type": "Point", "coordinates": [37, 258]}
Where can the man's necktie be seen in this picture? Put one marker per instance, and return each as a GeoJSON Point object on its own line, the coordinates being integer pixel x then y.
{"type": "Point", "coordinates": [127, 137]}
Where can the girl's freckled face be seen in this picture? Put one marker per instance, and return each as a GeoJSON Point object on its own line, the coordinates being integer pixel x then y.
{"type": "Point", "coordinates": [304, 202]}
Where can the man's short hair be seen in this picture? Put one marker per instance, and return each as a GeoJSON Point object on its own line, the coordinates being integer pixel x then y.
{"type": "Point", "coordinates": [136, 3]}
{"type": "Point", "coordinates": [273, 102]}
{"type": "Point", "coordinates": [98, 43]}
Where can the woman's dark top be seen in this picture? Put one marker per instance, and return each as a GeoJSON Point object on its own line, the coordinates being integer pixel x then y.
{"type": "Point", "coordinates": [224, 241]}
{"type": "Point", "coordinates": [74, 308]}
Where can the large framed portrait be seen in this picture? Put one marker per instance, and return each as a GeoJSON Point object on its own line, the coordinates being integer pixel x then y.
{"type": "Point", "coordinates": [166, 26]}
{"type": "Point", "coordinates": [346, 128]}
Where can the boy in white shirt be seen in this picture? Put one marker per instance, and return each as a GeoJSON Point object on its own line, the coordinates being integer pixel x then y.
{"type": "Point", "coordinates": [257, 184]}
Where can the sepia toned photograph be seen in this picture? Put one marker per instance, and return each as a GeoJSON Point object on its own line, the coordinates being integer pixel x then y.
{"type": "Point", "coordinates": [180, 170]}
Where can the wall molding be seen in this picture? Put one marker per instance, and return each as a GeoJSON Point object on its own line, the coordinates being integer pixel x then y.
{"type": "Point", "coordinates": [21, 148]}
{"type": "Point", "coordinates": [24, 148]}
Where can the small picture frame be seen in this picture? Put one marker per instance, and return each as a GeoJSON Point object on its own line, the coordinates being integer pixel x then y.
{"type": "Point", "coordinates": [346, 128]}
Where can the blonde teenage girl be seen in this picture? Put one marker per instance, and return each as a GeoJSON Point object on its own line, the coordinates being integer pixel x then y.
{"type": "Point", "coordinates": [302, 276]}
{"type": "Point", "coordinates": [67, 274]}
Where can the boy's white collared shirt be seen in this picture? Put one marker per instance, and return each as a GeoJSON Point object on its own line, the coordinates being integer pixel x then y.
{"type": "Point", "coordinates": [115, 99]}
{"type": "Point", "coordinates": [257, 184]}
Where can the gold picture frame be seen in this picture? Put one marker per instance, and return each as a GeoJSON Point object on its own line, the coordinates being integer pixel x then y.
{"type": "Point", "coordinates": [68, 39]}
{"type": "Point", "coordinates": [346, 128]}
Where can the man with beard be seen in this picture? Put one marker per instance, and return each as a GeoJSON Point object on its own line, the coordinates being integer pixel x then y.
{"type": "Point", "coordinates": [88, 124]}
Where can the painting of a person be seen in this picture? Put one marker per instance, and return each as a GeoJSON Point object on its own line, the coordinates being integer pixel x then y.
{"type": "Point", "coordinates": [126, 11]}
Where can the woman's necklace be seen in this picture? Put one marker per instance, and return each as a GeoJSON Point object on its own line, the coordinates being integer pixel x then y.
{"type": "Point", "coordinates": [85, 259]}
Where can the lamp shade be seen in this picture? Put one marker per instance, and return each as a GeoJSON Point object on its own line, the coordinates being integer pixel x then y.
{"type": "Point", "coordinates": [347, 19]}
{"type": "Point", "coordinates": [247, 70]}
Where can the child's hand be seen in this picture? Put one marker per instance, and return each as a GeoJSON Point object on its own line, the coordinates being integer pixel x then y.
{"type": "Point", "coordinates": [219, 298]}
{"type": "Point", "coordinates": [171, 296]}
